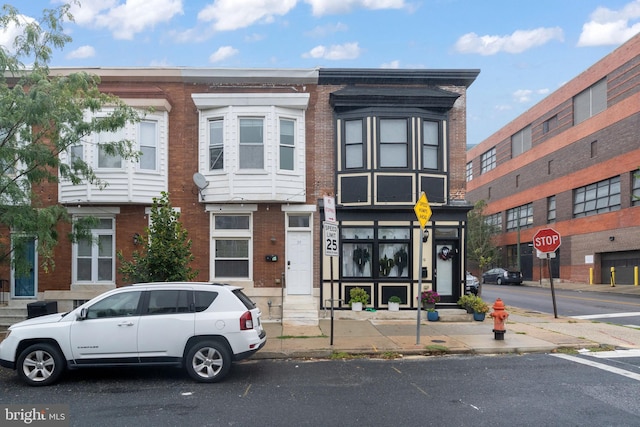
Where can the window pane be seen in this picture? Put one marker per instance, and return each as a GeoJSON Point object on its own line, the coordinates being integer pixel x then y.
{"type": "Point", "coordinates": [105, 270]}
{"type": "Point", "coordinates": [393, 155]}
{"type": "Point", "coordinates": [105, 246]}
{"type": "Point", "coordinates": [251, 131]}
{"type": "Point", "coordinates": [430, 130]}
{"type": "Point", "coordinates": [148, 158]}
{"type": "Point", "coordinates": [106, 160]}
{"type": "Point", "coordinates": [232, 222]}
{"type": "Point", "coordinates": [287, 132]}
{"type": "Point", "coordinates": [251, 157]}
{"type": "Point", "coordinates": [216, 145]}
{"type": "Point", "coordinates": [299, 221]}
{"type": "Point", "coordinates": [232, 248]}
{"type": "Point", "coordinates": [148, 144]}
{"type": "Point", "coordinates": [286, 158]}
{"type": "Point", "coordinates": [353, 156]}
{"type": "Point", "coordinates": [430, 157]}
{"type": "Point", "coordinates": [232, 268]}
{"type": "Point", "coordinates": [84, 247]}
{"type": "Point", "coordinates": [356, 260]}
{"type": "Point", "coordinates": [84, 269]}
{"type": "Point", "coordinates": [393, 131]}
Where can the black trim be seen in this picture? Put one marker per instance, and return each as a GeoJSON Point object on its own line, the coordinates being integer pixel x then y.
{"type": "Point", "coordinates": [457, 77]}
{"type": "Point", "coordinates": [7, 364]}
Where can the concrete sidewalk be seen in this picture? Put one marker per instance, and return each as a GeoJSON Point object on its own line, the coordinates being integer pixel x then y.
{"type": "Point", "coordinates": [384, 334]}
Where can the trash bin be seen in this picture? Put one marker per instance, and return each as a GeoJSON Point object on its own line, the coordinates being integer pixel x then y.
{"type": "Point", "coordinates": [40, 308]}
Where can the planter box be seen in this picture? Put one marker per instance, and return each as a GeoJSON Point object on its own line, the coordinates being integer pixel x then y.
{"type": "Point", "coordinates": [394, 306]}
{"type": "Point", "coordinates": [356, 306]}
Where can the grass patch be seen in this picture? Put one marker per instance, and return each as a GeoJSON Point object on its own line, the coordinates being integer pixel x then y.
{"type": "Point", "coordinates": [289, 337]}
{"type": "Point", "coordinates": [437, 348]}
{"type": "Point", "coordinates": [566, 350]}
{"type": "Point", "coordinates": [390, 355]}
{"type": "Point", "coordinates": [601, 347]}
{"type": "Point", "coordinates": [343, 355]}
{"type": "Point", "coordinates": [521, 333]}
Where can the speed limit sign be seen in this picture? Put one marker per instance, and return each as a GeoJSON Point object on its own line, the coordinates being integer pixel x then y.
{"type": "Point", "coordinates": [330, 238]}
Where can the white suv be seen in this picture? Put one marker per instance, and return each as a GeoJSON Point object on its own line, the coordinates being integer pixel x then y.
{"type": "Point", "coordinates": [199, 326]}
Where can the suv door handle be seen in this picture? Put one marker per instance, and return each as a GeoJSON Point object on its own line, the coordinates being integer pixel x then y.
{"type": "Point", "coordinates": [125, 324]}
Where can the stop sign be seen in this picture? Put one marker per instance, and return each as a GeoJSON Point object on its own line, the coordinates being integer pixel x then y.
{"type": "Point", "coordinates": [546, 240]}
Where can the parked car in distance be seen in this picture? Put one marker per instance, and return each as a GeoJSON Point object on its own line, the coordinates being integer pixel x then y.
{"type": "Point", "coordinates": [471, 284]}
{"type": "Point", "coordinates": [500, 276]}
{"type": "Point", "coordinates": [201, 327]}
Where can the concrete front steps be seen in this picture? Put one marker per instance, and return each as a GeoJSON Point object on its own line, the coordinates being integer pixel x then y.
{"type": "Point", "coordinates": [444, 315]}
{"type": "Point", "coordinates": [12, 314]}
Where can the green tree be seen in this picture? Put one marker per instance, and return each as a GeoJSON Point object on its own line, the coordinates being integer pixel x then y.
{"type": "Point", "coordinates": [41, 117]}
{"type": "Point", "coordinates": [481, 250]}
{"type": "Point", "coordinates": [166, 249]}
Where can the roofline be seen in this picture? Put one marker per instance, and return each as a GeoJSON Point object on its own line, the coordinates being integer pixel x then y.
{"type": "Point", "coordinates": [458, 77]}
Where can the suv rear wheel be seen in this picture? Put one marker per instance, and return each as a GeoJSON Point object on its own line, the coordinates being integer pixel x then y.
{"type": "Point", "coordinates": [40, 364]}
{"type": "Point", "coordinates": [208, 361]}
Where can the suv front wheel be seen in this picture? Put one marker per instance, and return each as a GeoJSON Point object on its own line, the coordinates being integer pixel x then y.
{"type": "Point", "coordinates": [208, 361]}
{"type": "Point", "coordinates": [40, 364]}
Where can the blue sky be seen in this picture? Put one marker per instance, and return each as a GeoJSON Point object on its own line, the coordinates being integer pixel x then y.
{"type": "Point", "coordinates": [525, 49]}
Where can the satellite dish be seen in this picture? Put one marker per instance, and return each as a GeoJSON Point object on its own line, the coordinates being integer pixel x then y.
{"type": "Point", "coordinates": [200, 181]}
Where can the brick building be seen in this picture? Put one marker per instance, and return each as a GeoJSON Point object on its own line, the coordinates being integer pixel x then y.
{"type": "Point", "coordinates": [571, 163]}
{"type": "Point", "coordinates": [247, 155]}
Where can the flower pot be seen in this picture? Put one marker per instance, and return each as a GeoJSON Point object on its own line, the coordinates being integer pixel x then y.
{"type": "Point", "coordinates": [426, 306]}
{"type": "Point", "coordinates": [432, 316]}
{"type": "Point", "coordinates": [356, 306]}
{"type": "Point", "coordinates": [394, 306]}
{"type": "Point", "coordinates": [479, 316]}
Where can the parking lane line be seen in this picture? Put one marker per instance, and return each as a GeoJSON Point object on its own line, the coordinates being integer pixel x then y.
{"type": "Point", "coordinates": [614, 370]}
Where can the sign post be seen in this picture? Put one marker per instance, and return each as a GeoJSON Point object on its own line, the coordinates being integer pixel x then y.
{"type": "Point", "coordinates": [331, 242]}
{"type": "Point", "coordinates": [423, 213]}
{"type": "Point", "coordinates": [547, 241]}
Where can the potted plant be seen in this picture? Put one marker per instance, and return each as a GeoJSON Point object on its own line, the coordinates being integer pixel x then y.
{"type": "Point", "coordinates": [429, 299]}
{"type": "Point", "coordinates": [394, 303]}
{"type": "Point", "coordinates": [432, 314]}
{"type": "Point", "coordinates": [466, 301]}
{"type": "Point", "coordinates": [480, 309]}
{"type": "Point", "coordinates": [386, 265]}
{"type": "Point", "coordinates": [358, 298]}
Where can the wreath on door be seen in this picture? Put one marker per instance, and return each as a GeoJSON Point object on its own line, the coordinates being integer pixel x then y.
{"type": "Point", "coordinates": [445, 253]}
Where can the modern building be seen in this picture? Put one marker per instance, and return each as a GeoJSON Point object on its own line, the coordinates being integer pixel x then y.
{"type": "Point", "coordinates": [247, 156]}
{"type": "Point", "coordinates": [570, 163]}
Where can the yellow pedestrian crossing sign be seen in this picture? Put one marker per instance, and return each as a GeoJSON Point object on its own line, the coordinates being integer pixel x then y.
{"type": "Point", "coordinates": [422, 210]}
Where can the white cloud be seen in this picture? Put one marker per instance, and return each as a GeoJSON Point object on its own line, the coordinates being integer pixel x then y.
{"type": "Point", "coordinates": [335, 52]}
{"type": "Point", "coordinates": [611, 27]}
{"type": "Point", "coordinates": [86, 12]}
{"type": "Point", "coordinates": [328, 7]}
{"type": "Point", "coordinates": [228, 15]}
{"type": "Point", "coordinates": [223, 53]}
{"type": "Point", "coordinates": [517, 42]}
{"type": "Point", "coordinates": [524, 95]}
{"type": "Point", "coordinates": [325, 30]}
{"type": "Point", "coordinates": [392, 64]}
{"type": "Point", "coordinates": [127, 19]}
{"type": "Point", "coordinates": [11, 31]}
{"type": "Point", "coordinates": [85, 51]}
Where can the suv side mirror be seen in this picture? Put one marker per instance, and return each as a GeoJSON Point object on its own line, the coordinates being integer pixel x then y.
{"type": "Point", "coordinates": [83, 314]}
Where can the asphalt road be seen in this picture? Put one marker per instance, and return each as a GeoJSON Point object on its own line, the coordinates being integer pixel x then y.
{"type": "Point", "coordinates": [621, 309]}
{"type": "Point", "coordinates": [515, 390]}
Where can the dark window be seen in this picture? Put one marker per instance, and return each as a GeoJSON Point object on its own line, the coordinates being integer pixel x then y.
{"type": "Point", "coordinates": [203, 299]}
{"type": "Point", "coordinates": [550, 124]}
{"type": "Point", "coordinates": [168, 301]}
{"type": "Point", "coordinates": [601, 197]}
{"type": "Point", "coordinates": [488, 160]}
{"type": "Point", "coordinates": [590, 102]}
{"type": "Point", "coordinates": [520, 217]}
{"type": "Point", "coordinates": [353, 144]}
{"type": "Point", "coordinates": [521, 142]}
{"type": "Point", "coordinates": [551, 209]}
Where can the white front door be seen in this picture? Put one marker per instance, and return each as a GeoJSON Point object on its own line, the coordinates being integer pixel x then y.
{"type": "Point", "coordinates": [298, 262]}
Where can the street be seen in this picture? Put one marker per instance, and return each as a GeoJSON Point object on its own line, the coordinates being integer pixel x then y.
{"type": "Point", "coordinates": [518, 390]}
{"type": "Point", "coordinates": [619, 309]}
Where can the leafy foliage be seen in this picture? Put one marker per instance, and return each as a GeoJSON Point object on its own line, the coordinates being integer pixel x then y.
{"type": "Point", "coordinates": [42, 114]}
{"type": "Point", "coordinates": [166, 249]}
{"type": "Point", "coordinates": [481, 249]}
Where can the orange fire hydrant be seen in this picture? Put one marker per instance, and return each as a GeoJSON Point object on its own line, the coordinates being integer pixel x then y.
{"type": "Point", "coordinates": [499, 316]}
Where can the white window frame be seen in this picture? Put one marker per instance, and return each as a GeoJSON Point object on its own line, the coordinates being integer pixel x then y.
{"type": "Point", "coordinates": [215, 145]}
{"type": "Point", "coordinates": [231, 234]}
{"type": "Point", "coordinates": [151, 145]}
{"type": "Point", "coordinates": [95, 254]}
{"type": "Point", "coordinates": [283, 146]}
